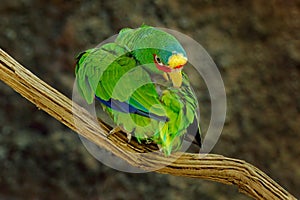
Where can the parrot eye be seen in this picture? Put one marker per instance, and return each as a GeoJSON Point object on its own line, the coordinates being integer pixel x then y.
{"type": "Point", "coordinates": [158, 60]}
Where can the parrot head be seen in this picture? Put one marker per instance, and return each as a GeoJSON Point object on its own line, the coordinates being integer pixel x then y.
{"type": "Point", "coordinates": [154, 46]}
{"type": "Point", "coordinates": [171, 67]}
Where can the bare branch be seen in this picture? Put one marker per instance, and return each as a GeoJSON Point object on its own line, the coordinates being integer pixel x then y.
{"type": "Point", "coordinates": [248, 178]}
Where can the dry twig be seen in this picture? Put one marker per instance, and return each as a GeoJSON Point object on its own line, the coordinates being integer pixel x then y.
{"type": "Point", "coordinates": [248, 178]}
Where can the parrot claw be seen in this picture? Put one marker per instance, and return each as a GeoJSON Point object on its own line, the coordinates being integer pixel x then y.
{"type": "Point", "coordinates": [129, 136]}
{"type": "Point", "coordinates": [119, 128]}
{"type": "Point", "coordinates": [148, 141]}
{"type": "Point", "coordinates": [114, 130]}
{"type": "Point", "coordinates": [160, 148]}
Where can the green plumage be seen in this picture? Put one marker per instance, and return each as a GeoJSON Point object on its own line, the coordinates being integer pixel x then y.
{"type": "Point", "coordinates": [124, 73]}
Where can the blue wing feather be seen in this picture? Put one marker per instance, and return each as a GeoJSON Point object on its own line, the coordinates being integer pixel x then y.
{"type": "Point", "coordinates": [127, 108]}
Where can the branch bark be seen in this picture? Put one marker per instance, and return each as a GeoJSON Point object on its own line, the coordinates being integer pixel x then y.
{"type": "Point", "coordinates": [249, 179]}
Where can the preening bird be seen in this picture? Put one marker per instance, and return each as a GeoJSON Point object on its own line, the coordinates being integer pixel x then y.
{"type": "Point", "coordinates": [139, 82]}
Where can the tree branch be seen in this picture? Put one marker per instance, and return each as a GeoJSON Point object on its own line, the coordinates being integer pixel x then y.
{"type": "Point", "coordinates": [248, 178]}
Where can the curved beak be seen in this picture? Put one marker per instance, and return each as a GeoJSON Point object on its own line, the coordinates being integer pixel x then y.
{"type": "Point", "coordinates": [176, 62]}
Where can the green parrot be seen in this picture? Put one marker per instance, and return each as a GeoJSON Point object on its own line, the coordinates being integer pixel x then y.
{"type": "Point", "coordinates": [139, 82]}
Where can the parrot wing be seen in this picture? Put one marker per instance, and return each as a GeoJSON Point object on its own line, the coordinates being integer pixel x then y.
{"type": "Point", "coordinates": [110, 74]}
{"type": "Point", "coordinates": [90, 66]}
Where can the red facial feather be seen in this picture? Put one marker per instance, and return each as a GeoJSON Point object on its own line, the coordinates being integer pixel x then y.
{"type": "Point", "coordinates": [161, 67]}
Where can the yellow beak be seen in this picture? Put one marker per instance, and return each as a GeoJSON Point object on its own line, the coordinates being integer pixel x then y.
{"type": "Point", "coordinates": [176, 61]}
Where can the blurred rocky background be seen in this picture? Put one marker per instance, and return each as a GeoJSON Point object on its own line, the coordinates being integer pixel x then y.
{"type": "Point", "coordinates": [255, 45]}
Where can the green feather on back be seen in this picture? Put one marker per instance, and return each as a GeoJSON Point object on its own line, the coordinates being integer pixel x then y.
{"type": "Point", "coordinates": [134, 91]}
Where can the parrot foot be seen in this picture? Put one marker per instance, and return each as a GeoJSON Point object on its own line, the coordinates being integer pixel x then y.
{"type": "Point", "coordinates": [148, 141]}
{"type": "Point", "coordinates": [119, 128]}
{"type": "Point", "coordinates": [129, 136]}
{"type": "Point", "coordinates": [160, 148]}
{"type": "Point", "coordinates": [114, 130]}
